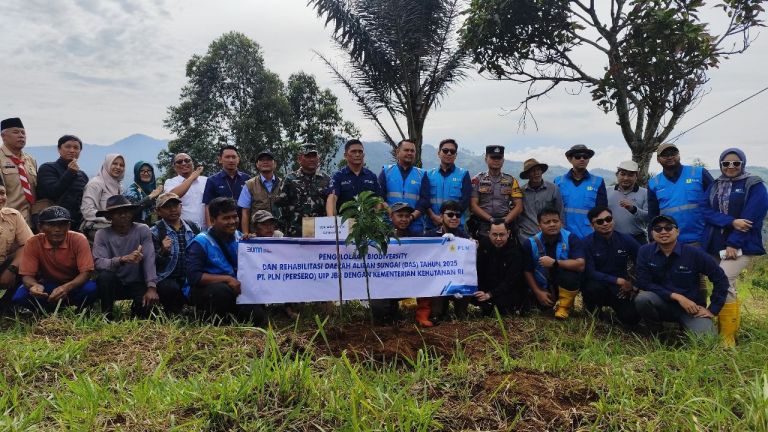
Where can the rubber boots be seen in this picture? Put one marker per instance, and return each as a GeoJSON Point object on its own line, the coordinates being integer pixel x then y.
{"type": "Point", "coordinates": [423, 309]}
{"type": "Point", "coordinates": [728, 321]}
{"type": "Point", "coordinates": [565, 302]}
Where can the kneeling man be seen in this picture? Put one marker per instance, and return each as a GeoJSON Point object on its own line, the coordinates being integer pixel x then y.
{"type": "Point", "coordinates": [56, 265]}
{"type": "Point", "coordinates": [554, 263]}
{"type": "Point", "coordinates": [500, 280]}
{"type": "Point", "coordinates": [608, 254]}
{"type": "Point", "coordinates": [212, 266]}
{"type": "Point", "coordinates": [668, 273]}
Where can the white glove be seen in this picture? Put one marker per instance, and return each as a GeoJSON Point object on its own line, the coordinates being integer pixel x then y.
{"type": "Point", "coordinates": [458, 296]}
{"type": "Point", "coordinates": [449, 236]}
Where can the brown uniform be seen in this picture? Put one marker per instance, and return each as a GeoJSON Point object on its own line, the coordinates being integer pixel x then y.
{"type": "Point", "coordinates": [10, 173]}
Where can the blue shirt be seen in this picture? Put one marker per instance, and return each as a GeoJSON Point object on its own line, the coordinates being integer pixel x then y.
{"type": "Point", "coordinates": [607, 258]}
{"type": "Point", "coordinates": [222, 185]}
{"type": "Point", "coordinates": [679, 274]}
{"type": "Point", "coordinates": [575, 250]}
{"type": "Point", "coordinates": [346, 185]}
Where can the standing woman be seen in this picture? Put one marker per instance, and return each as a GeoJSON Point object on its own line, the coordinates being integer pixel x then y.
{"type": "Point", "coordinates": [62, 182]}
{"type": "Point", "coordinates": [104, 185]}
{"type": "Point", "coordinates": [736, 204]}
{"type": "Point", "coordinates": [144, 191]}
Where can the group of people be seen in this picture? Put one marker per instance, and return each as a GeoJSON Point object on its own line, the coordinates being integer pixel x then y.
{"type": "Point", "coordinates": [541, 243]}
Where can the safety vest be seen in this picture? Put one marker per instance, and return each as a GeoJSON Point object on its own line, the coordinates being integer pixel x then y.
{"type": "Point", "coordinates": [444, 188]}
{"type": "Point", "coordinates": [405, 190]}
{"type": "Point", "coordinates": [577, 201]}
{"type": "Point", "coordinates": [538, 250]}
{"type": "Point", "coordinates": [217, 262]}
{"type": "Point", "coordinates": [681, 201]}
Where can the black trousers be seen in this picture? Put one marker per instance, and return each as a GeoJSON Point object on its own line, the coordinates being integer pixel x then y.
{"type": "Point", "coordinates": [385, 311]}
{"type": "Point", "coordinates": [111, 289]}
{"type": "Point", "coordinates": [559, 278]}
{"type": "Point", "coordinates": [171, 296]}
{"type": "Point", "coordinates": [597, 294]}
{"type": "Point", "coordinates": [5, 300]}
{"type": "Point", "coordinates": [219, 301]}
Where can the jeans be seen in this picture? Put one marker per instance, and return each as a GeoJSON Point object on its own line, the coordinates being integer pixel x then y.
{"type": "Point", "coordinates": [80, 297]}
{"type": "Point", "coordinates": [654, 310]}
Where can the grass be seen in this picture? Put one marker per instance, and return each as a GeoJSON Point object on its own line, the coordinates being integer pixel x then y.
{"type": "Point", "coordinates": [71, 372]}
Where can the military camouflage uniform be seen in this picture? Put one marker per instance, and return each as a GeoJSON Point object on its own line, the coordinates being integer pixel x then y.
{"type": "Point", "coordinates": [302, 195]}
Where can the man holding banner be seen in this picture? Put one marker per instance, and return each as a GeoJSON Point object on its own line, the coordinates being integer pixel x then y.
{"type": "Point", "coordinates": [212, 259]}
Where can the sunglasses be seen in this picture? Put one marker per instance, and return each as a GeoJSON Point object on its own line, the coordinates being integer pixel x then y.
{"type": "Point", "coordinates": [581, 156]}
{"type": "Point", "coordinates": [664, 228]}
{"type": "Point", "coordinates": [448, 151]}
{"type": "Point", "coordinates": [605, 220]}
{"type": "Point", "coordinates": [729, 164]}
{"type": "Point", "coordinates": [182, 161]}
{"type": "Point", "coordinates": [452, 215]}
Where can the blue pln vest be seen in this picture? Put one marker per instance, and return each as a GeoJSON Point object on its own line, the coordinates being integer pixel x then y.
{"type": "Point", "coordinates": [217, 262]}
{"type": "Point", "coordinates": [444, 189]}
{"type": "Point", "coordinates": [681, 201]}
{"type": "Point", "coordinates": [577, 201]}
{"type": "Point", "coordinates": [538, 250]}
{"type": "Point", "coordinates": [405, 190]}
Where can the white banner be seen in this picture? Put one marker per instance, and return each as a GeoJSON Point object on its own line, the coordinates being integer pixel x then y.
{"type": "Point", "coordinates": [280, 270]}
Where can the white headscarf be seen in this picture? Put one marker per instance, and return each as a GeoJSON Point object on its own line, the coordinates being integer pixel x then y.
{"type": "Point", "coordinates": [111, 184]}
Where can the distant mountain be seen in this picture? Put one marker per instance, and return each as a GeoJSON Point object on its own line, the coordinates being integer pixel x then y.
{"type": "Point", "coordinates": [377, 153]}
{"type": "Point", "coordinates": [135, 148]}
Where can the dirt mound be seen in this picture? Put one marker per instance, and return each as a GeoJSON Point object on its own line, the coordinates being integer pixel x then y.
{"type": "Point", "coordinates": [402, 343]}
{"type": "Point", "coordinates": [541, 401]}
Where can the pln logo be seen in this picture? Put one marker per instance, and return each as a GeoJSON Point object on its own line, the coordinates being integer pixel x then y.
{"type": "Point", "coordinates": [590, 188]}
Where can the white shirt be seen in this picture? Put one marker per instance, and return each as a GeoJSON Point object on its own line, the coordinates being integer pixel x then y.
{"type": "Point", "coordinates": [192, 201]}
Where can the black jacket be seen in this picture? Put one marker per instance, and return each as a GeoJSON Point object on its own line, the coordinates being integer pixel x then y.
{"type": "Point", "coordinates": [56, 183]}
{"type": "Point", "coordinates": [499, 270]}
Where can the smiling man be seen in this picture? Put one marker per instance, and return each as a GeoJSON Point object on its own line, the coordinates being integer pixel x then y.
{"type": "Point", "coordinates": [18, 169]}
{"type": "Point", "coordinates": [56, 265]}
{"type": "Point", "coordinates": [580, 190]}
{"type": "Point", "coordinates": [349, 181]}
{"type": "Point", "coordinates": [404, 183]}
{"type": "Point", "coordinates": [447, 182]}
{"type": "Point", "coordinates": [188, 185]}
{"type": "Point", "coordinates": [226, 183]}
{"type": "Point", "coordinates": [628, 202]}
{"type": "Point", "coordinates": [668, 273]}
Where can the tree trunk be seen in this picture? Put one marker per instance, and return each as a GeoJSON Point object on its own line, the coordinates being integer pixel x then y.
{"type": "Point", "coordinates": [642, 156]}
{"type": "Point", "coordinates": [368, 289]}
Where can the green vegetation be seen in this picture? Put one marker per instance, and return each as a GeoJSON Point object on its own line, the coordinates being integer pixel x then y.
{"type": "Point", "coordinates": [68, 372]}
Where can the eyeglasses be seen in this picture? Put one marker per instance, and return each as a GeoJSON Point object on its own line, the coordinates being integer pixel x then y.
{"type": "Point", "coordinates": [452, 215]}
{"type": "Point", "coordinates": [605, 220]}
{"type": "Point", "coordinates": [448, 151]}
{"type": "Point", "coordinates": [497, 235]}
{"type": "Point", "coordinates": [182, 161]}
{"type": "Point", "coordinates": [581, 156]}
{"type": "Point", "coordinates": [728, 164]}
{"type": "Point", "coordinates": [665, 228]}
{"type": "Point", "coordinates": [145, 172]}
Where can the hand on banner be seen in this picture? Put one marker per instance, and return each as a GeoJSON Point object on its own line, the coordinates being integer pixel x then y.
{"type": "Point", "coordinates": [449, 236]}
{"type": "Point", "coordinates": [458, 296]}
{"type": "Point", "coordinates": [482, 296]}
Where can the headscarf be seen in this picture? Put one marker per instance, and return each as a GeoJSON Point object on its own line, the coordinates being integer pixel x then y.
{"type": "Point", "coordinates": [723, 184]}
{"type": "Point", "coordinates": [149, 186]}
{"type": "Point", "coordinates": [111, 184]}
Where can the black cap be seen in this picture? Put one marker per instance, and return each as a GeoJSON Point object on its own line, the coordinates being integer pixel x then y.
{"type": "Point", "coordinates": [308, 148]}
{"type": "Point", "coordinates": [579, 148]}
{"type": "Point", "coordinates": [54, 214]}
{"type": "Point", "coordinates": [267, 153]}
{"type": "Point", "coordinates": [663, 218]}
{"type": "Point", "coordinates": [13, 122]}
{"type": "Point", "coordinates": [494, 150]}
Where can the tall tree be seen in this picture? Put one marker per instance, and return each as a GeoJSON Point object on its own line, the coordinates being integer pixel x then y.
{"type": "Point", "coordinates": [232, 98]}
{"type": "Point", "coordinates": [402, 55]}
{"type": "Point", "coordinates": [317, 117]}
{"type": "Point", "coordinates": [656, 53]}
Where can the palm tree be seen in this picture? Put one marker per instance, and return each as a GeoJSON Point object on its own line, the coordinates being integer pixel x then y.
{"type": "Point", "coordinates": [403, 58]}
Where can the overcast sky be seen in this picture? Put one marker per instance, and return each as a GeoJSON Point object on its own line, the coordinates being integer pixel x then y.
{"type": "Point", "coordinates": [104, 70]}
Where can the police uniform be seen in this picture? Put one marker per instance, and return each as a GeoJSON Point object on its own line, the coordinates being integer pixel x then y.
{"type": "Point", "coordinates": [495, 194]}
